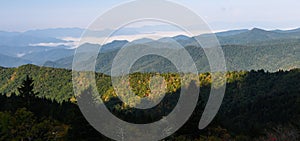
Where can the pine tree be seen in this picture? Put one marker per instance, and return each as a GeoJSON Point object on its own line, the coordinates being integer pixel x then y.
{"type": "Point", "coordinates": [26, 91]}
{"type": "Point", "coordinates": [26, 87]}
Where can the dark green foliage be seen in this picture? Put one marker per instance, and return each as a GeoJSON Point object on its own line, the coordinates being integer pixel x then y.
{"type": "Point", "coordinates": [24, 125]}
{"type": "Point", "coordinates": [54, 84]}
{"type": "Point", "coordinates": [40, 118]}
{"type": "Point", "coordinates": [26, 88]}
{"type": "Point", "coordinates": [257, 105]}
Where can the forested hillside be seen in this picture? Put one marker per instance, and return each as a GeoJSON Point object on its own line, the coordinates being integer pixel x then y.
{"type": "Point", "coordinates": [258, 105]}
{"type": "Point", "coordinates": [270, 55]}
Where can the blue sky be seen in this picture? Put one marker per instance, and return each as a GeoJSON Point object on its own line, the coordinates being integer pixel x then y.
{"type": "Point", "coordinates": [21, 15]}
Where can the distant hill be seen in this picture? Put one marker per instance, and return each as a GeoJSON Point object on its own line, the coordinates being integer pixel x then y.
{"type": "Point", "coordinates": [60, 63]}
{"type": "Point", "coordinates": [257, 35]}
{"type": "Point", "coordinates": [114, 45]}
{"type": "Point", "coordinates": [238, 41]}
{"type": "Point", "coordinates": [20, 39]}
{"type": "Point", "coordinates": [272, 56]}
{"type": "Point", "coordinates": [56, 32]}
{"type": "Point", "coordinates": [231, 32]}
{"type": "Point", "coordinates": [7, 61]}
{"type": "Point", "coordinates": [287, 31]}
{"type": "Point", "coordinates": [142, 41]}
{"type": "Point", "coordinates": [40, 58]}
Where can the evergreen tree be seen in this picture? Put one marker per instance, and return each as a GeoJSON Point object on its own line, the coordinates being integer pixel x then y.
{"type": "Point", "coordinates": [26, 91]}
{"type": "Point", "coordinates": [26, 87]}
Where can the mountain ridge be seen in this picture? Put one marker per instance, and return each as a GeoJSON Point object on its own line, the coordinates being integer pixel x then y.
{"type": "Point", "coordinates": [244, 37]}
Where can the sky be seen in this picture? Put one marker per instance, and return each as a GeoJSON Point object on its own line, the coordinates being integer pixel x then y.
{"type": "Point", "coordinates": [21, 15]}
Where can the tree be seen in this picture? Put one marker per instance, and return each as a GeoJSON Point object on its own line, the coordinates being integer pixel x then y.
{"type": "Point", "coordinates": [26, 87]}
{"type": "Point", "coordinates": [26, 91]}
{"type": "Point", "coordinates": [24, 125]}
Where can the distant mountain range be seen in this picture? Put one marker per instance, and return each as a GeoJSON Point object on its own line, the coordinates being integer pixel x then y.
{"type": "Point", "coordinates": [8, 61]}
{"type": "Point", "coordinates": [258, 35]}
{"type": "Point", "coordinates": [244, 49]}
